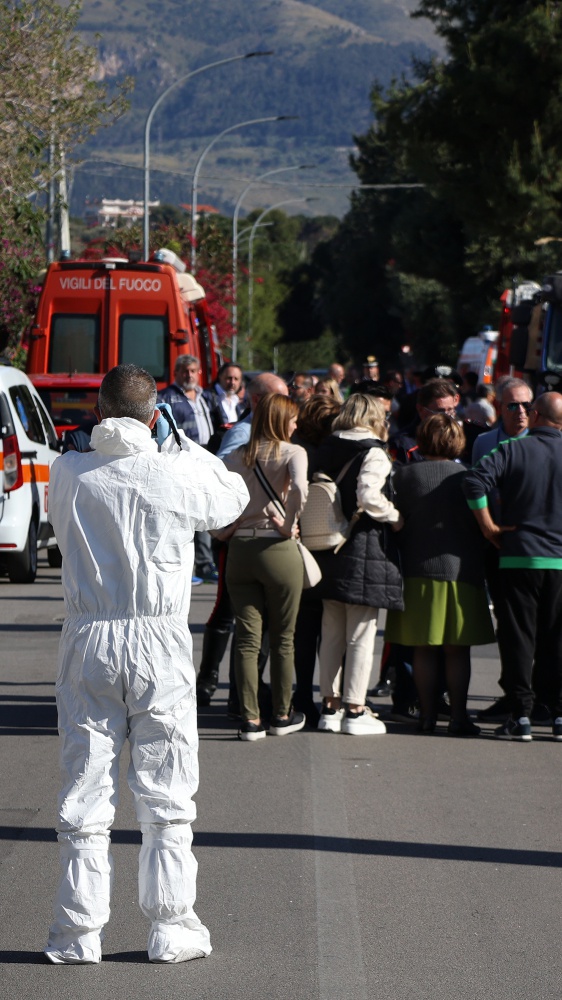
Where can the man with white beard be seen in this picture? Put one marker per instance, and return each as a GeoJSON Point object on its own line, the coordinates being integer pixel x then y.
{"type": "Point", "coordinates": [190, 408]}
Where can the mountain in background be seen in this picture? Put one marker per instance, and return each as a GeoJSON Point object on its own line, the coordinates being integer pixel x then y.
{"type": "Point", "coordinates": [327, 55]}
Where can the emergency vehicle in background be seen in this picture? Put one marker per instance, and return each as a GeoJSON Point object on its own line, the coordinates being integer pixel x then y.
{"type": "Point", "coordinates": [93, 315]}
{"type": "Point", "coordinates": [520, 346]}
{"type": "Point", "coordinates": [531, 342]}
{"type": "Point", "coordinates": [28, 448]}
{"type": "Point", "coordinates": [478, 355]}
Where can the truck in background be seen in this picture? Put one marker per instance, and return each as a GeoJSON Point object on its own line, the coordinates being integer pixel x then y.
{"type": "Point", "coordinates": [547, 315]}
{"type": "Point", "coordinates": [532, 344]}
{"type": "Point", "coordinates": [520, 330]}
{"type": "Point", "coordinates": [93, 315]}
{"type": "Point", "coordinates": [519, 345]}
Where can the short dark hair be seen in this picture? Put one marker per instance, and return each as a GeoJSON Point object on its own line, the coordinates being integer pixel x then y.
{"type": "Point", "coordinates": [128, 391]}
{"type": "Point", "coordinates": [436, 388]}
{"type": "Point", "coordinates": [370, 387]}
{"type": "Point", "coordinates": [228, 364]}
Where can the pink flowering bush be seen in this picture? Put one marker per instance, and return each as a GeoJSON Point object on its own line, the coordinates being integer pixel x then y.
{"type": "Point", "coordinates": [21, 260]}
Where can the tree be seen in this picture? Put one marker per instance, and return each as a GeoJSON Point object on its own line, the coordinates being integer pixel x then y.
{"type": "Point", "coordinates": [481, 130]}
{"type": "Point", "coordinates": [50, 102]}
{"type": "Point", "coordinates": [487, 145]}
{"type": "Point", "coordinates": [21, 257]}
{"type": "Point", "coordinates": [50, 94]}
{"type": "Point", "coordinates": [474, 129]}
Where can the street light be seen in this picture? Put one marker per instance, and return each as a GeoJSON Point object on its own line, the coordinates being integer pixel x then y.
{"type": "Point", "coordinates": [158, 101]}
{"type": "Point", "coordinates": [256, 225]}
{"type": "Point", "coordinates": [251, 121]}
{"type": "Point", "coordinates": [252, 231]}
{"type": "Point", "coordinates": [237, 207]}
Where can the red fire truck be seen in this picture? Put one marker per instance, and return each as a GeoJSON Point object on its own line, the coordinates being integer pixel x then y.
{"type": "Point", "coordinates": [520, 330]}
{"type": "Point", "coordinates": [93, 315]}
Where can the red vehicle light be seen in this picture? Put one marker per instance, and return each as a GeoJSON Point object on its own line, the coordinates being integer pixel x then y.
{"type": "Point", "coordinates": [13, 472]}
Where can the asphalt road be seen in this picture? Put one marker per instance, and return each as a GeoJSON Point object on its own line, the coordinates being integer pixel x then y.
{"type": "Point", "coordinates": [330, 867]}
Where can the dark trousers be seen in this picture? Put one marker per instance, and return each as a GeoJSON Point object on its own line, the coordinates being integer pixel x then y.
{"type": "Point", "coordinates": [307, 640]}
{"type": "Point", "coordinates": [530, 632]}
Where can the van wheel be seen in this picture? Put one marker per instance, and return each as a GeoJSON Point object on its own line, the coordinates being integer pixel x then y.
{"type": "Point", "coordinates": [54, 557]}
{"type": "Point", "coordinates": [22, 568]}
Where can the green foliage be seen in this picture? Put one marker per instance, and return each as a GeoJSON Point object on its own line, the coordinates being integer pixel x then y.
{"type": "Point", "coordinates": [278, 248]}
{"type": "Point", "coordinates": [475, 131]}
{"type": "Point", "coordinates": [318, 353]}
{"type": "Point", "coordinates": [50, 102]}
{"type": "Point", "coordinates": [21, 257]}
{"type": "Point", "coordinates": [166, 215]}
{"type": "Point", "coordinates": [49, 94]}
{"type": "Point", "coordinates": [426, 266]}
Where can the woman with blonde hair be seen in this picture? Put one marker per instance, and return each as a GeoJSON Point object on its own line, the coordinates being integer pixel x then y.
{"type": "Point", "coordinates": [264, 572]}
{"type": "Point", "coordinates": [364, 575]}
{"type": "Point", "coordinates": [445, 604]}
{"type": "Point", "coordinates": [328, 387]}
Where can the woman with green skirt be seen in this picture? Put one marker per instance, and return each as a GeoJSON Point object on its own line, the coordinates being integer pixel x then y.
{"type": "Point", "coordinates": [445, 602]}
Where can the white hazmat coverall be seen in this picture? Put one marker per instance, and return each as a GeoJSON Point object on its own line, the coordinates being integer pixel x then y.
{"type": "Point", "coordinates": [124, 517]}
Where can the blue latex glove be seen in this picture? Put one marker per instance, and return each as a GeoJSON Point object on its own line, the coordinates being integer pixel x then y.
{"type": "Point", "coordinates": [162, 426]}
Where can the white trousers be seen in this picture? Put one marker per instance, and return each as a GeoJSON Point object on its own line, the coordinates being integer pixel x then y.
{"type": "Point", "coordinates": [127, 679]}
{"type": "Point", "coordinates": [349, 629]}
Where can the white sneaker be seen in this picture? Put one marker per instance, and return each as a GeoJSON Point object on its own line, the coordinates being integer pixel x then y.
{"type": "Point", "coordinates": [365, 724]}
{"type": "Point", "coordinates": [331, 719]}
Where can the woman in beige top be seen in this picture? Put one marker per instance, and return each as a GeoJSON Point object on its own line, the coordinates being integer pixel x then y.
{"type": "Point", "coordinates": [264, 572]}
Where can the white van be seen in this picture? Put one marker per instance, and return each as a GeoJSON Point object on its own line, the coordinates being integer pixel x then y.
{"type": "Point", "coordinates": [478, 354]}
{"type": "Point", "coordinates": [28, 448]}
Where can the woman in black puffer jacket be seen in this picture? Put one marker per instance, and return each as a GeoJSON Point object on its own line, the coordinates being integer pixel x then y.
{"type": "Point", "coordinates": [365, 574]}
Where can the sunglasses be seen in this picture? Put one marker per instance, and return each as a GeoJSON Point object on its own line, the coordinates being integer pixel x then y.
{"type": "Point", "coordinates": [514, 407]}
{"type": "Point", "coordinates": [432, 413]}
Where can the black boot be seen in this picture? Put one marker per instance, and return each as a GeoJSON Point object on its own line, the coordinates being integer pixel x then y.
{"type": "Point", "coordinates": [214, 648]}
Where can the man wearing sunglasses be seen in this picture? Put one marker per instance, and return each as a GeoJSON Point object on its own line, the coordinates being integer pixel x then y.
{"type": "Point", "coordinates": [527, 472]}
{"type": "Point", "coordinates": [438, 395]}
{"type": "Point", "coordinates": [515, 398]}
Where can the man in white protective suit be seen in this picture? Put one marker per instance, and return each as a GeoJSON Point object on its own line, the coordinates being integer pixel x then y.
{"type": "Point", "coordinates": [124, 516]}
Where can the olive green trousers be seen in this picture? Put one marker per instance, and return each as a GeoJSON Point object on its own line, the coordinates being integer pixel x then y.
{"type": "Point", "coordinates": [264, 577]}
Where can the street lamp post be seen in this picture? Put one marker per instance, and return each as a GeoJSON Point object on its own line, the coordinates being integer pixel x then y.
{"type": "Point", "coordinates": [251, 121]}
{"type": "Point", "coordinates": [253, 231]}
{"type": "Point", "coordinates": [237, 207]}
{"type": "Point", "coordinates": [150, 116]}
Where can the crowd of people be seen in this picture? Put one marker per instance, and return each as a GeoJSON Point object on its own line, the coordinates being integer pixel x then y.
{"type": "Point", "coordinates": [406, 450]}
{"type": "Point", "coordinates": [444, 516]}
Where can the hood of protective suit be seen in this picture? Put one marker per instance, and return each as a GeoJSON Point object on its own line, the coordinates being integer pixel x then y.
{"type": "Point", "coordinates": [122, 436]}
